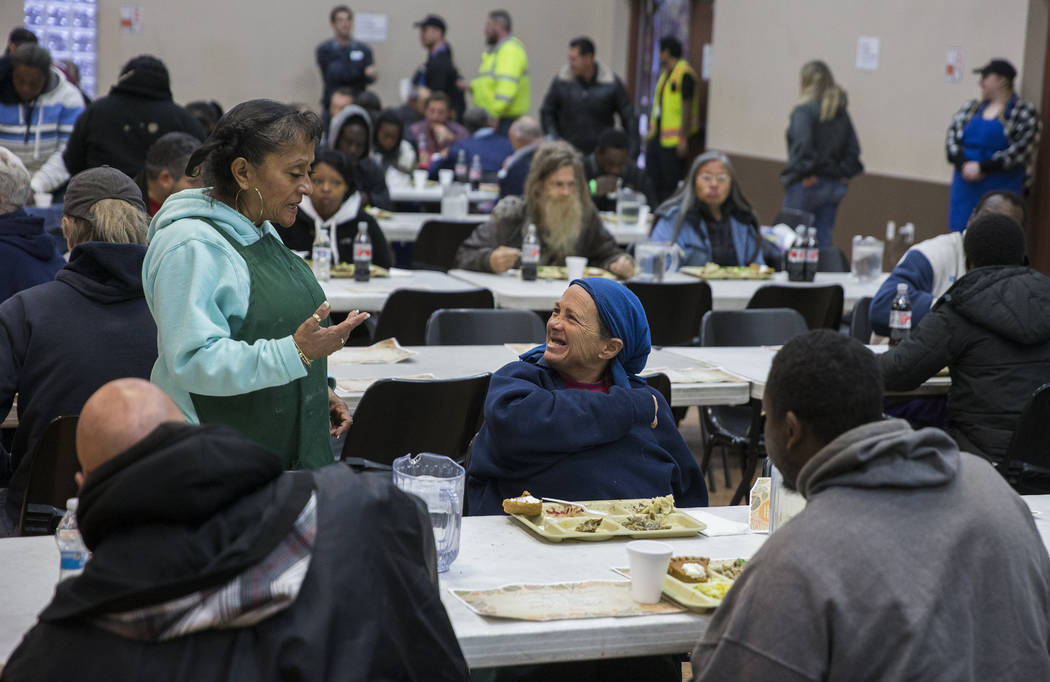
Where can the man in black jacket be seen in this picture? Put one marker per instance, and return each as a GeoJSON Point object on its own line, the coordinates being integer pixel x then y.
{"type": "Point", "coordinates": [118, 129]}
{"type": "Point", "coordinates": [991, 330]}
{"type": "Point", "coordinates": [438, 72]}
{"type": "Point", "coordinates": [211, 563]}
{"type": "Point", "coordinates": [583, 100]}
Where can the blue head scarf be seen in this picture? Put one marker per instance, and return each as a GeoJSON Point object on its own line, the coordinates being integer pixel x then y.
{"type": "Point", "coordinates": [623, 315]}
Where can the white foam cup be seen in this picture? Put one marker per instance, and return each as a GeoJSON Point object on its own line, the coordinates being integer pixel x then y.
{"type": "Point", "coordinates": [419, 178]}
{"type": "Point", "coordinates": [648, 561]}
{"type": "Point", "coordinates": [575, 266]}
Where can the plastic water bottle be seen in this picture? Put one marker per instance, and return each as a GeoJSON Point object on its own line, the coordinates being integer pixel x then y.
{"type": "Point", "coordinates": [796, 256]}
{"type": "Point", "coordinates": [461, 172]}
{"type": "Point", "coordinates": [321, 256]}
{"type": "Point", "coordinates": [475, 172]}
{"type": "Point", "coordinates": [70, 544]}
{"type": "Point", "coordinates": [812, 254]}
{"type": "Point", "coordinates": [530, 254]}
{"type": "Point", "coordinates": [900, 315]}
{"type": "Point", "coordinates": [362, 253]}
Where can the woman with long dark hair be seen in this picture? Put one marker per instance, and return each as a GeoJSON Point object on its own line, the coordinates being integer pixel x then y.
{"type": "Point", "coordinates": [823, 151]}
{"type": "Point", "coordinates": [709, 218]}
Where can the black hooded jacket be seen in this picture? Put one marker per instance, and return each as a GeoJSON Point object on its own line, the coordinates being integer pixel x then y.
{"type": "Point", "coordinates": [188, 509]}
{"type": "Point", "coordinates": [992, 330]}
{"type": "Point", "coordinates": [60, 341]}
{"type": "Point", "coordinates": [118, 129]}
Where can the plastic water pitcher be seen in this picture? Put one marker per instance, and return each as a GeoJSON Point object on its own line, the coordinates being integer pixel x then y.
{"type": "Point", "coordinates": [438, 481]}
{"type": "Point", "coordinates": [655, 259]}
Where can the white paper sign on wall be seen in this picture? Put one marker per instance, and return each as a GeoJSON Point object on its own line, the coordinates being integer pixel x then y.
{"type": "Point", "coordinates": [370, 28]}
{"type": "Point", "coordinates": [131, 19]}
{"type": "Point", "coordinates": [867, 53]}
{"type": "Point", "coordinates": [953, 68]}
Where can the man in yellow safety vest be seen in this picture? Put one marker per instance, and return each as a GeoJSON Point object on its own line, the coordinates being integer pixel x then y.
{"type": "Point", "coordinates": [674, 120]}
{"type": "Point", "coordinates": [502, 85]}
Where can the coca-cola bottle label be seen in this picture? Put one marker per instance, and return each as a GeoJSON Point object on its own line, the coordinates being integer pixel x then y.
{"type": "Point", "coordinates": [900, 319]}
{"type": "Point", "coordinates": [362, 253]}
{"type": "Point", "coordinates": [531, 252]}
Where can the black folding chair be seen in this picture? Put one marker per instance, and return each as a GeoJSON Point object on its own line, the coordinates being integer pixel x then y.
{"type": "Point", "coordinates": [793, 217]}
{"type": "Point", "coordinates": [480, 326]}
{"type": "Point", "coordinates": [50, 478]}
{"type": "Point", "coordinates": [860, 322]}
{"type": "Point", "coordinates": [832, 259]}
{"type": "Point", "coordinates": [740, 428]}
{"type": "Point", "coordinates": [673, 309]}
{"type": "Point", "coordinates": [438, 240]}
{"type": "Point", "coordinates": [821, 306]}
{"type": "Point", "coordinates": [1026, 465]}
{"type": "Point", "coordinates": [406, 312]}
{"type": "Point", "coordinates": [403, 416]}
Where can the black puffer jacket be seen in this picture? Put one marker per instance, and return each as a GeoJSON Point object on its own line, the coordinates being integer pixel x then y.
{"type": "Point", "coordinates": [578, 111]}
{"type": "Point", "coordinates": [118, 129]}
{"type": "Point", "coordinates": [992, 330]}
{"type": "Point", "coordinates": [825, 148]}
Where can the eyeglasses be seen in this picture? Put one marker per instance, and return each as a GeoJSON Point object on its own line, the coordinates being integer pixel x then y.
{"type": "Point", "coordinates": [721, 178]}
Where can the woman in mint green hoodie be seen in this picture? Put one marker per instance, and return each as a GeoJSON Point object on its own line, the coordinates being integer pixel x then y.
{"type": "Point", "coordinates": [243, 333]}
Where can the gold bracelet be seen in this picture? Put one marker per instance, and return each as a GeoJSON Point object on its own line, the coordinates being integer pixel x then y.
{"type": "Point", "coordinates": [302, 355]}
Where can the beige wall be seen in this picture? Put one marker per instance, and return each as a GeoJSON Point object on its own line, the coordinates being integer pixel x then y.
{"type": "Point", "coordinates": [900, 111]}
{"type": "Point", "coordinates": [235, 50]}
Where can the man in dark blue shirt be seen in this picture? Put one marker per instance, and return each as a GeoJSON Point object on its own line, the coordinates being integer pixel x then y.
{"type": "Point", "coordinates": [343, 60]}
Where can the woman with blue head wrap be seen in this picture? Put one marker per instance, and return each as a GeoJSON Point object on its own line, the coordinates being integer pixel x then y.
{"type": "Point", "coordinates": [571, 419]}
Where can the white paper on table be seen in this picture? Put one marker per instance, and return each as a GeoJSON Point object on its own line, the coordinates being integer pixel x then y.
{"type": "Point", "coordinates": [387, 351]}
{"type": "Point", "coordinates": [717, 526]}
{"type": "Point", "coordinates": [696, 375]}
{"type": "Point", "coordinates": [400, 272]}
{"type": "Point", "coordinates": [360, 385]}
{"type": "Point", "coordinates": [519, 348]}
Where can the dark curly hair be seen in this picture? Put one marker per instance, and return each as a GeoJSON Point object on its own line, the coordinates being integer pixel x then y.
{"type": "Point", "coordinates": [993, 239]}
{"type": "Point", "coordinates": [251, 130]}
{"type": "Point", "coordinates": [829, 380]}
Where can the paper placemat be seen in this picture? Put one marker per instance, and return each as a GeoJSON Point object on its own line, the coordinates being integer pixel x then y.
{"type": "Point", "coordinates": [361, 384]}
{"type": "Point", "coordinates": [560, 601]}
{"type": "Point", "coordinates": [717, 526]}
{"type": "Point", "coordinates": [519, 348]}
{"type": "Point", "coordinates": [387, 351]}
{"type": "Point", "coordinates": [696, 375]}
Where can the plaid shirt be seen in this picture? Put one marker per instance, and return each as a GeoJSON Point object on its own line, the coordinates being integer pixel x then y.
{"type": "Point", "coordinates": [261, 591]}
{"type": "Point", "coordinates": [1022, 126]}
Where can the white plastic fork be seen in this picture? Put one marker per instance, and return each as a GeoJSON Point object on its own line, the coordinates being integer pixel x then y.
{"type": "Point", "coordinates": [574, 504]}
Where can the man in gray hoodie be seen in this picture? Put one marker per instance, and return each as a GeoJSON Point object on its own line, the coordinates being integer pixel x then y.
{"type": "Point", "coordinates": [911, 560]}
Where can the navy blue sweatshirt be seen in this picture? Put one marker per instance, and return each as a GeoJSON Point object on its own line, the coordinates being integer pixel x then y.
{"type": "Point", "coordinates": [576, 445]}
{"type": "Point", "coordinates": [27, 253]}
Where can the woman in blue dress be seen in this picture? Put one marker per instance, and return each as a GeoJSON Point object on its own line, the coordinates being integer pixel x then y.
{"type": "Point", "coordinates": [709, 218]}
{"type": "Point", "coordinates": [991, 141]}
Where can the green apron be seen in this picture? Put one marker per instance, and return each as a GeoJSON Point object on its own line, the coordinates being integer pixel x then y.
{"type": "Point", "coordinates": [291, 420]}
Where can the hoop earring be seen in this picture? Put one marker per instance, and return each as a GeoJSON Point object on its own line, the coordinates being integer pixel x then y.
{"type": "Point", "coordinates": [262, 206]}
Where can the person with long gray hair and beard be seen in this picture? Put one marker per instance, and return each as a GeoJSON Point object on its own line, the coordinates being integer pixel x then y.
{"type": "Point", "coordinates": [823, 151]}
{"type": "Point", "coordinates": [709, 218]}
{"type": "Point", "coordinates": [556, 201]}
